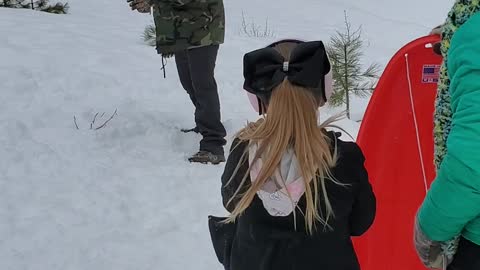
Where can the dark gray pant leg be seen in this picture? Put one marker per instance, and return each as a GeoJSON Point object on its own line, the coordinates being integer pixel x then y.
{"type": "Point", "coordinates": [467, 257]}
{"type": "Point", "coordinates": [183, 68]}
{"type": "Point", "coordinates": [207, 114]}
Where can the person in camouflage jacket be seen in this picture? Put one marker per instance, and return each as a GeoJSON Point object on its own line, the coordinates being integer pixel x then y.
{"type": "Point", "coordinates": [181, 25]}
{"type": "Point", "coordinates": [184, 24]}
{"type": "Point", "coordinates": [192, 31]}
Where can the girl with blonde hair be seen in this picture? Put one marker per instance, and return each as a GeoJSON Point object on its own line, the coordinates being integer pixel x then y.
{"type": "Point", "coordinates": [295, 191]}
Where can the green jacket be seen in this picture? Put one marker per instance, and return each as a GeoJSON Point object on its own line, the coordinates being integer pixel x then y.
{"type": "Point", "coordinates": [183, 24]}
{"type": "Point", "coordinates": [452, 206]}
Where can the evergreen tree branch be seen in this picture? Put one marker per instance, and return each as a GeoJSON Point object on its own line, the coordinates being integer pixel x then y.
{"type": "Point", "coordinates": [150, 35]}
{"type": "Point", "coordinates": [345, 51]}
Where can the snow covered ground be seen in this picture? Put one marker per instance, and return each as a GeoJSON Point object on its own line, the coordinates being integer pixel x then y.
{"type": "Point", "coordinates": [124, 197]}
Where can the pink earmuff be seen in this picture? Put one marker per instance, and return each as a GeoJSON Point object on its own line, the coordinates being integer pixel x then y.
{"type": "Point", "coordinates": [254, 101]}
{"type": "Point", "coordinates": [329, 84]}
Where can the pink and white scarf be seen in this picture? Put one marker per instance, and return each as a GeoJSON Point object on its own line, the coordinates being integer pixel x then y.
{"type": "Point", "coordinates": [283, 190]}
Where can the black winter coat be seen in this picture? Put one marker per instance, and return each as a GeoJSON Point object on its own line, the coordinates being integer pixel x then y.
{"type": "Point", "coordinates": [264, 242]}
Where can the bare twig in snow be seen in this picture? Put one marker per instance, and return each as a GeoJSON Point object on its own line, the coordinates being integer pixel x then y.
{"type": "Point", "coordinates": [75, 121]}
{"type": "Point", "coordinates": [93, 121]}
{"type": "Point", "coordinates": [254, 30]}
{"type": "Point", "coordinates": [108, 120]}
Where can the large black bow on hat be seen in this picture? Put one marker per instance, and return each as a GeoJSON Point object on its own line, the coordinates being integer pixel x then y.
{"type": "Point", "coordinates": [266, 68]}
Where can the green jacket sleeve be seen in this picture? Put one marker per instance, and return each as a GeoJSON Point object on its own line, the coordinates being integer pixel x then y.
{"type": "Point", "coordinates": [454, 198]}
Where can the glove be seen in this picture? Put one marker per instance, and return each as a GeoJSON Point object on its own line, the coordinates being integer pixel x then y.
{"type": "Point", "coordinates": [142, 6]}
{"type": "Point", "coordinates": [434, 254]}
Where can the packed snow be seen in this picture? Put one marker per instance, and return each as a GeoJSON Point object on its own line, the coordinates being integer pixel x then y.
{"type": "Point", "coordinates": [124, 197]}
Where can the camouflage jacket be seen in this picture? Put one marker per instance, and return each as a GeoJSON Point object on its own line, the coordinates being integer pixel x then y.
{"type": "Point", "coordinates": [182, 24]}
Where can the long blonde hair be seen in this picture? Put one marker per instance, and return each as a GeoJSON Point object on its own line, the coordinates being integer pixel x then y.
{"type": "Point", "coordinates": [291, 122]}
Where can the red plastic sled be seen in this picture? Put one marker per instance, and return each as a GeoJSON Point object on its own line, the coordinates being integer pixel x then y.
{"type": "Point", "coordinates": [394, 146]}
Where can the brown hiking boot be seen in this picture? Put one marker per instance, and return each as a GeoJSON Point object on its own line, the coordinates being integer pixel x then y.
{"type": "Point", "coordinates": [206, 157]}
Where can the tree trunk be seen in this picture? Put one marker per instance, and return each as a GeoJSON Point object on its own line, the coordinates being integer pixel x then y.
{"type": "Point", "coordinates": [347, 86]}
{"type": "Point", "coordinates": [33, 7]}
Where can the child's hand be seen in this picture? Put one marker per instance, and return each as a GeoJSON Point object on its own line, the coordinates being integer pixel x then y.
{"type": "Point", "coordinates": [430, 252]}
{"type": "Point", "coordinates": [142, 6]}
